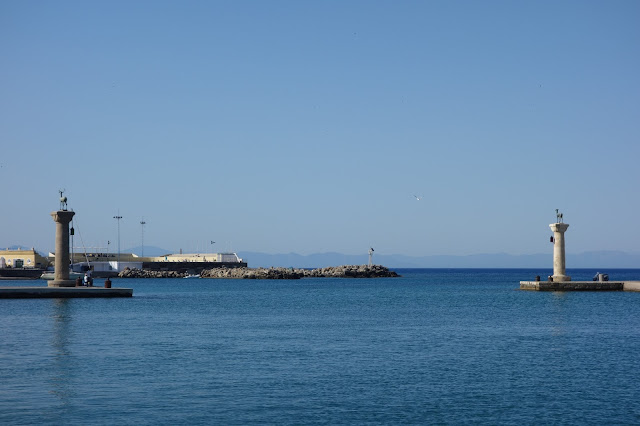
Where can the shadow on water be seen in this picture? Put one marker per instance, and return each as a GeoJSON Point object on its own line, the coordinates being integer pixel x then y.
{"type": "Point", "coordinates": [62, 365]}
{"type": "Point", "coordinates": [558, 319]}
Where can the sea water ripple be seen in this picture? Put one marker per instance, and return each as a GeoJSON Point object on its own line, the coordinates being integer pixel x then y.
{"type": "Point", "coordinates": [434, 346]}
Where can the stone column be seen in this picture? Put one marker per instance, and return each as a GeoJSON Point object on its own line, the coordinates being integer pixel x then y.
{"type": "Point", "coordinates": [559, 272]}
{"type": "Point", "coordinates": [61, 276]}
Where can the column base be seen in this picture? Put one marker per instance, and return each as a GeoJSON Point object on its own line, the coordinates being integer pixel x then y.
{"type": "Point", "coordinates": [62, 283]}
{"type": "Point", "coordinates": [561, 278]}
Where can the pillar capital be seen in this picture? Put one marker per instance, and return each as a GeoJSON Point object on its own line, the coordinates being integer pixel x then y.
{"type": "Point", "coordinates": [559, 227]}
{"type": "Point", "coordinates": [63, 216]}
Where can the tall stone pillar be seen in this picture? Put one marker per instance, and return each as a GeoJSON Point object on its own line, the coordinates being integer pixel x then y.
{"type": "Point", "coordinates": [559, 272]}
{"type": "Point", "coordinates": [61, 276]}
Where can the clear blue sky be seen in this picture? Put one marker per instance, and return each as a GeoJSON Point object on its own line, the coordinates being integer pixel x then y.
{"type": "Point", "coordinates": [308, 126]}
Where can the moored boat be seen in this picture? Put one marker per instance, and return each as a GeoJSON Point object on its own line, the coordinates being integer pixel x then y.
{"type": "Point", "coordinates": [50, 275]}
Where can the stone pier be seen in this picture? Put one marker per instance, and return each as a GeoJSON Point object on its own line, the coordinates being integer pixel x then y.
{"type": "Point", "coordinates": [560, 281]}
{"type": "Point", "coordinates": [61, 286]}
{"type": "Point", "coordinates": [580, 285]}
{"type": "Point", "coordinates": [62, 292]}
{"type": "Point", "coordinates": [573, 285]}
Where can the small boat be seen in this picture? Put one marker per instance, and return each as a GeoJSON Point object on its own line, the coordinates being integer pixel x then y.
{"type": "Point", "coordinates": [50, 275]}
{"type": "Point", "coordinates": [191, 276]}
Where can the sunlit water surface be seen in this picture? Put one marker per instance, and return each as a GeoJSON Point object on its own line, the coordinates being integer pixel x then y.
{"type": "Point", "coordinates": [435, 346]}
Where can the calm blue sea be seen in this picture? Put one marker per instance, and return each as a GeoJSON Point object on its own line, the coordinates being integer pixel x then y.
{"type": "Point", "coordinates": [436, 346]}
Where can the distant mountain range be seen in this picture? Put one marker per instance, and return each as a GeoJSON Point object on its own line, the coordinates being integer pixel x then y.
{"type": "Point", "coordinates": [594, 259]}
{"type": "Point", "coordinates": [590, 259]}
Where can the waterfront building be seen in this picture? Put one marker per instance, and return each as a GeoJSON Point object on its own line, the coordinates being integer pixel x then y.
{"type": "Point", "coordinates": [22, 258]}
{"type": "Point", "coordinates": [107, 263]}
{"type": "Point", "coordinates": [29, 263]}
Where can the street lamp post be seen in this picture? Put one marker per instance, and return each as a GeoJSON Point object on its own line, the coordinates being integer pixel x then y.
{"type": "Point", "coordinates": [118, 217]}
{"type": "Point", "coordinates": [142, 223]}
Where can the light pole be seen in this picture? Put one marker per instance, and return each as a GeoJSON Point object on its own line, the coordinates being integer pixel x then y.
{"type": "Point", "coordinates": [118, 217]}
{"type": "Point", "coordinates": [142, 223]}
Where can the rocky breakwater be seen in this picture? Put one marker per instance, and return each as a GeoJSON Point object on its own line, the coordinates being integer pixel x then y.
{"type": "Point", "coordinates": [345, 271]}
{"type": "Point", "coordinates": [143, 273]}
{"type": "Point", "coordinates": [351, 271]}
{"type": "Point", "coordinates": [253, 273]}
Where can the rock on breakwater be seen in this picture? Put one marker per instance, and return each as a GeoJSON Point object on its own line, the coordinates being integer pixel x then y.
{"type": "Point", "coordinates": [251, 273]}
{"type": "Point", "coordinates": [145, 273]}
{"type": "Point", "coordinates": [345, 271]}
{"type": "Point", "coordinates": [351, 271]}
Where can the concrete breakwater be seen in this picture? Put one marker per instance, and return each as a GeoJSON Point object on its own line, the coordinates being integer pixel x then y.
{"type": "Point", "coordinates": [345, 271]}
